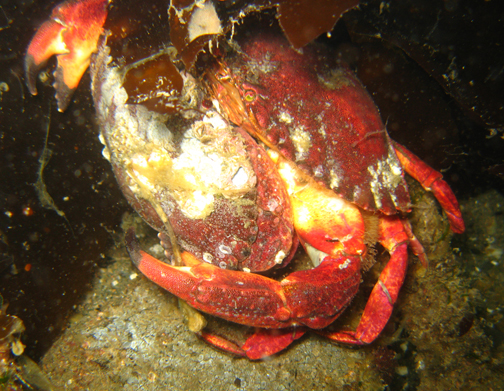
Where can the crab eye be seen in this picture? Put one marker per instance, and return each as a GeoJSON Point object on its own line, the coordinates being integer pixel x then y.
{"type": "Point", "coordinates": [249, 96]}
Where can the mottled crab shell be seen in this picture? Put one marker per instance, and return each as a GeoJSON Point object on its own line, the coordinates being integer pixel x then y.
{"type": "Point", "coordinates": [335, 133]}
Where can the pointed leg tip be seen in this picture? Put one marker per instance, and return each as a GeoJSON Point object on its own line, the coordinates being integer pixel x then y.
{"type": "Point", "coordinates": [31, 71]}
{"type": "Point", "coordinates": [46, 42]}
{"type": "Point", "coordinates": [67, 76]}
{"type": "Point", "coordinates": [63, 96]}
{"type": "Point", "coordinates": [221, 343]}
{"type": "Point", "coordinates": [345, 337]}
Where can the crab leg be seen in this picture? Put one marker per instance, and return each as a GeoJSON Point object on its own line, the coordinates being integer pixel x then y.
{"type": "Point", "coordinates": [394, 238]}
{"type": "Point", "coordinates": [431, 180]}
{"type": "Point", "coordinates": [263, 343]}
{"type": "Point", "coordinates": [72, 35]}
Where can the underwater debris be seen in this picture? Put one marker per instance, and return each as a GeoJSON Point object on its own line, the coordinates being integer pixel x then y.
{"type": "Point", "coordinates": [17, 371]}
{"type": "Point", "coordinates": [44, 197]}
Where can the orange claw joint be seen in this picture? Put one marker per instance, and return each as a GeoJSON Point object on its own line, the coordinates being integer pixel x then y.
{"type": "Point", "coordinates": [432, 180]}
{"type": "Point", "coordinates": [72, 35]}
{"type": "Point", "coordinates": [323, 220]}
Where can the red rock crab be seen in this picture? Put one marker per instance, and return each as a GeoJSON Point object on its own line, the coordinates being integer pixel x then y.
{"type": "Point", "coordinates": [274, 147]}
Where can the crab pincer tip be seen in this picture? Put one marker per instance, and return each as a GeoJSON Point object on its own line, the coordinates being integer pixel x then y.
{"type": "Point", "coordinates": [63, 91]}
{"type": "Point", "coordinates": [48, 41]}
{"type": "Point", "coordinates": [31, 71]}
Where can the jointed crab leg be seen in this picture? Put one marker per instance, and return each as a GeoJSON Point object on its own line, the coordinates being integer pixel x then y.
{"type": "Point", "coordinates": [47, 42]}
{"type": "Point", "coordinates": [263, 343]}
{"type": "Point", "coordinates": [394, 238]}
{"type": "Point", "coordinates": [431, 180]}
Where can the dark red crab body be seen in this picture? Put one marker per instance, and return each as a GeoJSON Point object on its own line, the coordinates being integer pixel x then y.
{"type": "Point", "coordinates": [320, 116]}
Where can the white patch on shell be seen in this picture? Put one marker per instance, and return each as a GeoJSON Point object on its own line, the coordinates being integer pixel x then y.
{"type": "Point", "coordinates": [203, 164]}
{"type": "Point", "coordinates": [225, 249]}
{"type": "Point", "coordinates": [322, 130]}
{"type": "Point", "coordinates": [318, 171]}
{"type": "Point", "coordinates": [207, 257]}
{"type": "Point", "coordinates": [345, 264]}
{"type": "Point", "coordinates": [106, 153]}
{"type": "Point", "coordinates": [215, 120]}
{"type": "Point", "coordinates": [335, 79]}
{"type": "Point", "coordinates": [209, 168]}
{"type": "Point", "coordinates": [196, 204]}
{"type": "Point", "coordinates": [272, 204]}
{"type": "Point", "coordinates": [316, 256]}
{"type": "Point", "coordinates": [102, 139]}
{"type": "Point", "coordinates": [240, 178]}
{"type": "Point", "coordinates": [279, 257]}
{"type": "Point", "coordinates": [386, 176]}
{"type": "Point", "coordinates": [302, 142]}
{"type": "Point", "coordinates": [288, 175]}
{"type": "Point", "coordinates": [204, 20]}
{"type": "Point", "coordinates": [285, 117]}
{"type": "Point", "coordinates": [158, 134]}
{"type": "Point", "coordinates": [334, 178]}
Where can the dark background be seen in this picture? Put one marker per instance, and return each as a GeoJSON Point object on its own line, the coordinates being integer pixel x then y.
{"type": "Point", "coordinates": [47, 262]}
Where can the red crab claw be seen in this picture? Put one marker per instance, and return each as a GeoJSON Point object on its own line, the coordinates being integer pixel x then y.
{"type": "Point", "coordinates": [313, 298]}
{"type": "Point", "coordinates": [395, 238]}
{"type": "Point", "coordinates": [72, 35]}
{"type": "Point", "coordinates": [431, 180]}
